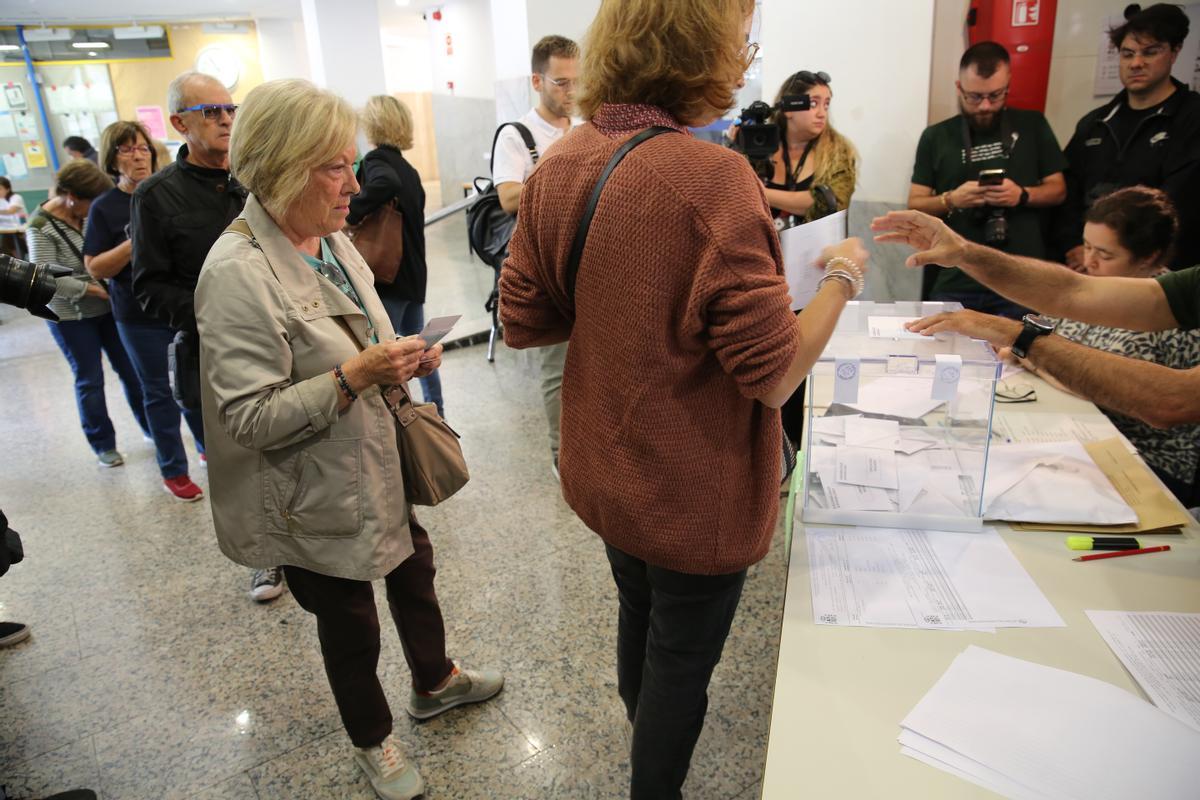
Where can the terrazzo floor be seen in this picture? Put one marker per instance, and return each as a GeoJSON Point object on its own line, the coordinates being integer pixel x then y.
{"type": "Point", "coordinates": [151, 674]}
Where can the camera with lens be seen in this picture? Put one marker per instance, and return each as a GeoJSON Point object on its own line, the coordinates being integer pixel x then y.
{"type": "Point", "coordinates": [995, 222]}
{"type": "Point", "coordinates": [29, 286]}
{"type": "Point", "coordinates": [757, 138]}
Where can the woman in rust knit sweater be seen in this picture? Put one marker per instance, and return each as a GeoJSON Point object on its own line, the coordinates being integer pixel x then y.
{"type": "Point", "coordinates": [682, 348]}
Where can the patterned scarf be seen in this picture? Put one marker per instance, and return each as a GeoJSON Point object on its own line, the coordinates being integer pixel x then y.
{"type": "Point", "coordinates": [618, 120]}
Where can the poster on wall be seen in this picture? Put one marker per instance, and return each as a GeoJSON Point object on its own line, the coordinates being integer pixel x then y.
{"type": "Point", "coordinates": [14, 95]}
{"type": "Point", "coordinates": [8, 128]}
{"type": "Point", "coordinates": [14, 165]}
{"type": "Point", "coordinates": [26, 127]}
{"type": "Point", "coordinates": [88, 128]}
{"type": "Point", "coordinates": [1108, 61]}
{"type": "Point", "coordinates": [35, 155]}
{"type": "Point", "coordinates": [152, 118]}
{"type": "Point", "coordinates": [56, 99]}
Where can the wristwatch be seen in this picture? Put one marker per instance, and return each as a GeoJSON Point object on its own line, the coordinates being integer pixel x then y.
{"type": "Point", "coordinates": [1035, 325]}
{"type": "Point", "coordinates": [1024, 198]}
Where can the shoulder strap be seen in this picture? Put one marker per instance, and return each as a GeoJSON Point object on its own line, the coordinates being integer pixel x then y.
{"type": "Point", "coordinates": [526, 136]}
{"type": "Point", "coordinates": [590, 211]}
{"type": "Point", "coordinates": [66, 237]}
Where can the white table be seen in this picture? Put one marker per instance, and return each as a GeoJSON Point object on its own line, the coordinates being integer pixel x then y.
{"type": "Point", "coordinates": [841, 692]}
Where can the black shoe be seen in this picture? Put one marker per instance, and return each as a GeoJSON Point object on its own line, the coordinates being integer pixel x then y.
{"type": "Point", "coordinates": [13, 632]}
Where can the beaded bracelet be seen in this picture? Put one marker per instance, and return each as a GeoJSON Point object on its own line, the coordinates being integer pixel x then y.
{"type": "Point", "coordinates": [850, 270]}
{"type": "Point", "coordinates": [343, 383]}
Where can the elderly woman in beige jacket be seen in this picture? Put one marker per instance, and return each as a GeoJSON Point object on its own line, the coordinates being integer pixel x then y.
{"type": "Point", "coordinates": [304, 467]}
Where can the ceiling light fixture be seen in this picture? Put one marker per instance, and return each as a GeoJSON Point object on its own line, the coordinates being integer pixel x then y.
{"type": "Point", "coordinates": [89, 45]}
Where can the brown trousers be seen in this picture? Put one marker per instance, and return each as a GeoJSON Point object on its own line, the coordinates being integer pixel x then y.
{"type": "Point", "coordinates": [348, 628]}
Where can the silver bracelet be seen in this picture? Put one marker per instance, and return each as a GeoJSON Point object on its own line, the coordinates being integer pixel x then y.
{"type": "Point", "coordinates": [839, 275]}
{"type": "Point", "coordinates": [844, 267]}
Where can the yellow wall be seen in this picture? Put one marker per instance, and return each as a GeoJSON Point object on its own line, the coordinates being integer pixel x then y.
{"type": "Point", "coordinates": [145, 83]}
{"type": "Point", "coordinates": [423, 155]}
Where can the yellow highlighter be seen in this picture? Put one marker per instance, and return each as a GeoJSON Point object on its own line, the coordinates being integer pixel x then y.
{"type": "Point", "coordinates": [1103, 543]}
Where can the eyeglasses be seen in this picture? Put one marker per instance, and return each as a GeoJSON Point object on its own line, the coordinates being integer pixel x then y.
{"type": "Point", "coordinates": [130, 149]}
{"type": "Point", "coordinates": [749, 53]}
{"type": "Point", "coordinates": [562, 83]}
{"type": "Point", "coordinates": [212, 111]}
{"type": "Point", "coordinates": [1153, 51]}
{"type": "Point", "coordinates": [813, 77]}
{"type": "Point", "coordinates": [975, 98]}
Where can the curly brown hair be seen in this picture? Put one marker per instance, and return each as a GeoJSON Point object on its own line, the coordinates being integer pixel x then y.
{"type": "Point", "coordinates": [685, 56]}
{"type": "Point", "coordinates": [1144, 220]}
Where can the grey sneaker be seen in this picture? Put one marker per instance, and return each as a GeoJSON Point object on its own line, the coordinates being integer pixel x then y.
{"type": "Point", "coordinates": [110, 458]}
{"type": "Point", "coordinates": [465, 686]}
{"type": "Point", "coordinates": [266, 584]}
{"type": "Point", "coordinates": [392, 776]}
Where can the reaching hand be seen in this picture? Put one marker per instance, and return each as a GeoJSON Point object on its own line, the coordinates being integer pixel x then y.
{"type": "Point", "coordinates": [999, 331]}
{"type": "Point", "coordinates": [933, 239]}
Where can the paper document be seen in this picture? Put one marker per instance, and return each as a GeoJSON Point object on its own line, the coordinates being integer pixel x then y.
{"type": "Point", "coordinates": [1161, 650]}
{"type": "Point", "coordinates": [897, 397]}
{"type": "Point", "coordinates": [883, 434]}
{"type": "Point", "coordinates": [1157, 511]}
{"type": "Point", "coordinates": [888, 578]}
{"type": "Point", "coordinates": [1031, 427]}
{"type": "Point", "coordinates": [1028, 731]}
{"type": "Point", "coordinates": [891, 328]}
{"type": "Point", "coordinates": [1052, 483]}
{"type": "Point", "coordinates": [867, 466]}
{"type": "Point", "coordinates": [437, 328]}
{"type": "Point", "coordinates": [802, 246]}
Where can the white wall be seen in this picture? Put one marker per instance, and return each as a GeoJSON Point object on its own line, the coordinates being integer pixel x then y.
{"type": "Point", "coordinates": [510, 38]}
{"type": "Point", "coordinates": [344, 50]}
{"type": "Point", "coordinates": [880, 68]}
{"type": "Point", "coordinates": [282, 50]}
{"type": "Point", "coordinates": [949, 43]}
{"type": "Point", "coordinates": [472, 66]}
{"type": "Point", "coordinates": [407, 54]}
{"type": "Point", "coordinates": [569, 18]}
{"type": "Point", "coordinates": [1073, 63]}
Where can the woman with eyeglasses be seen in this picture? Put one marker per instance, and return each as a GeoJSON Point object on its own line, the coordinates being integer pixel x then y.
{"type": "Point", "coordinates": [814, 163]}
{"type": "Point", "coordinates": [682, 348]}
{"type": "Point", "coordinates": [85, 326]}
{"type": "Point", "coordinates": [128, 155]}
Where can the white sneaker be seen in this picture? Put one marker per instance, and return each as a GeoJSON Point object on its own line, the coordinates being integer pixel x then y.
{"type": "Point", "coordinates": [392, 775]}
{"type": "Point", "coordinates": [266, 584]}
{"type": "Point", "coordinates": [464, 686]}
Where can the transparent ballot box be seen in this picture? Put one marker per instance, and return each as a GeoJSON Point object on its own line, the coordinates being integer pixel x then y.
{"type": "Point", "coordinates": [898, 423]}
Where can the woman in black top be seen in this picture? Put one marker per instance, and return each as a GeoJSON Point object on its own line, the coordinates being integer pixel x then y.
{"type": "Point", "coordinates": [385, 177]}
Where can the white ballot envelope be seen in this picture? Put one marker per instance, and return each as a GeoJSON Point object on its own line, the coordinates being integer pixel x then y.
{"type": "Point", "coordinates": [802, 246]}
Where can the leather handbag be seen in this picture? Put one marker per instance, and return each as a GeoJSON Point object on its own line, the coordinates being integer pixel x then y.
{"type": "Point", "coordinates": [431, 457]}
{"type": "Point", "coordinates": [379, 239]}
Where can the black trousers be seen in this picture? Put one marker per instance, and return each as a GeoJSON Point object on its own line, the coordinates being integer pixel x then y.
{"type": "Point", "coordinates": [348, 628]}
{"type": "Point", "coordinates": [670, 633]}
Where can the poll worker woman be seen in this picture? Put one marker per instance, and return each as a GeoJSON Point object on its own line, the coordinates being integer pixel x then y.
{"type": "Point", "coordinates": [85, 326]}
{"type": "Point", "coordinates": [386, 177]}
{"type": "Point", "coordinates": [682, 348]}
{"type": "Point", "coordinates": [127, 155]}
{"type": "Point", "coordinates": [304, 468]}
{"type": "Point", "coordinates": [1131, 233]}
{"type": "Point", "coordinates": [814, 161]}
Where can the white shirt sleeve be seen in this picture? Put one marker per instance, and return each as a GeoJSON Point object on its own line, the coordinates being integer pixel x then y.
{"type": "Point", "coordinates": [513, 162]}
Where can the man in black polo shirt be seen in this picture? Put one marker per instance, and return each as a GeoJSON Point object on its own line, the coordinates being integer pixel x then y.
{"type": "Point", "coordinates": [177, 214]}
{"type": "Point", "coordinates": [1149, 134]}
{"type": "Point", "coordinates": [1158, 395]}
{"type": "Point", "coordinates": [948, 182]}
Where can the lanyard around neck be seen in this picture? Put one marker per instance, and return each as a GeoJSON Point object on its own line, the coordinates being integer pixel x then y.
{"type": "Point", "coordinates": [792, 176]}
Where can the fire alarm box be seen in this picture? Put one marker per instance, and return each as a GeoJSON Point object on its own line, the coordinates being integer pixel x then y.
{"type": "Point", "coordinates": [1025, 28]}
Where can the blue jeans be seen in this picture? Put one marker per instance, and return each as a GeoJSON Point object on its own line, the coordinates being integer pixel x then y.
{"type": "Point", "coordinates": [983, 302]}
{"type": "Point", "coordinates": [408, 318]}
{"type": "Point", "coordinates": [82, 341]}
{"type": "Point", "coordinates": [147, 346]}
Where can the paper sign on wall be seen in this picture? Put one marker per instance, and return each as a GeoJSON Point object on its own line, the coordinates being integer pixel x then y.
{"type": "Point", "coordinates": [14, 95]}
{"type": "Point", "coordinates": [14, 165]}
{"type": "Point", "coordinates": [152, 118]}
{"type": "Point", "coordinates": [35, 155]}
{"type": "Point", "coordinates": [26, 127]}
{"type": "Point", "coordinates": [8, 128]}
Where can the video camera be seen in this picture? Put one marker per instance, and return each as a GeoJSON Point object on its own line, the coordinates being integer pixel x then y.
{"type": "Point", "coordinates": [29, 286]}
{"type": "Point", "coordinates": [758, 139]}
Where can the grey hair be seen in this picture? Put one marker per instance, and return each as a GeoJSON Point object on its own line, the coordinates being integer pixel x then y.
{"type": "Point", "coordinates": [177, 91]}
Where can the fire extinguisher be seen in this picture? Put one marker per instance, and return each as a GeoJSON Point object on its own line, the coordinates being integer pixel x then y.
{"type": "Point", "coordinates": [1026, 29]}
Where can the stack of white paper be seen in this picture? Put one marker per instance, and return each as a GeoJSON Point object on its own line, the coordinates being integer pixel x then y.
{"type": "Point", "coordinates": [1055, 483]}
{"type": "Point", "coordinates": [1161, 650]}
{"type": "Point", "coordinates": [1028, 731]}
{"type": "Point", "coordinates": [886, 578]}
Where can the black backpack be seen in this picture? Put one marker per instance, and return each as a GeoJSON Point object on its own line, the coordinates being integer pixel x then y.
{"type": "Point", "coordinates": [489, 226]}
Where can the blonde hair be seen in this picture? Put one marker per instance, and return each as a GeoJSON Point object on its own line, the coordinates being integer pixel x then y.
{"type": "Point", "coordinates": [386, 120]}
{"type": "Point", "coordinates": [834, 157]}
{"type": "Point", "coordinates": [283, 130]}
{"type": "Point", "coordinates": [685, 56]}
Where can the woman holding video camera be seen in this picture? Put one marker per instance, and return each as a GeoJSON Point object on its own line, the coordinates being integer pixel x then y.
{"type": "Point", "coordinates": [815, 168]}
